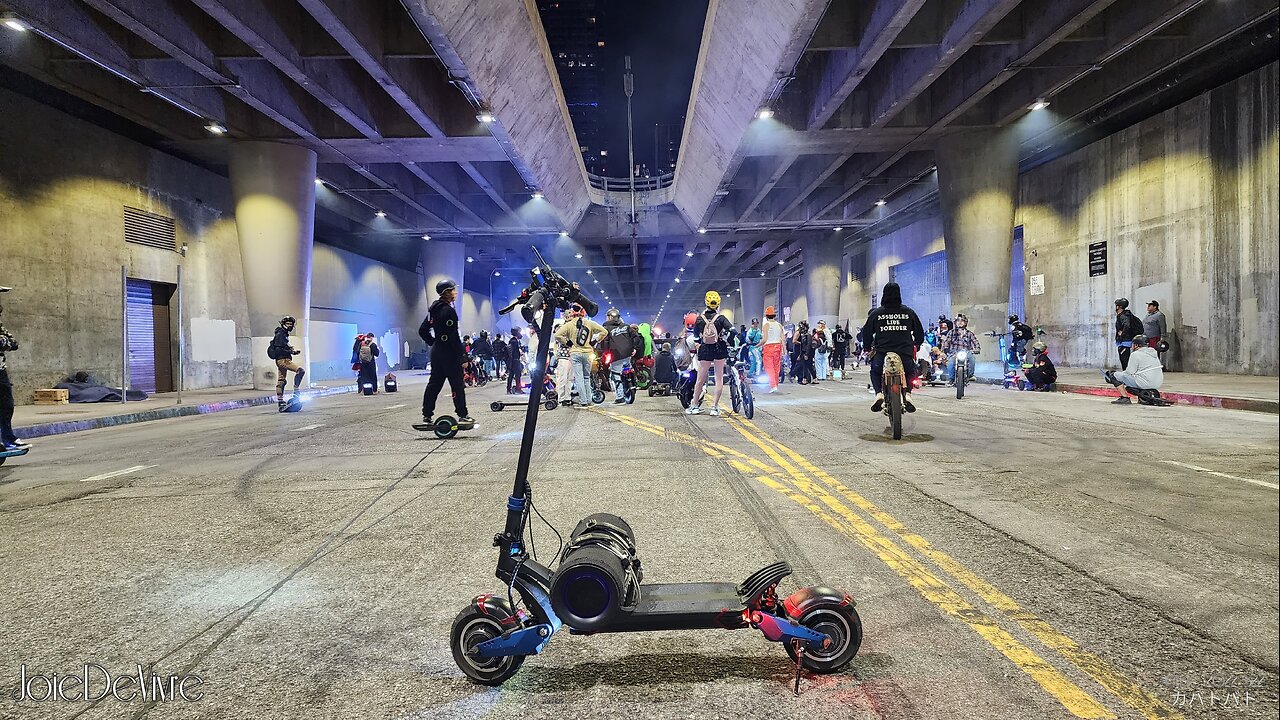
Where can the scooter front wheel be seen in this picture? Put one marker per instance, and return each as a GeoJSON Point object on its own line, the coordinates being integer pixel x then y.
{"type": "Point", "coordinates": [839, 622]}
{"type": "Point", "coordinates": [470, 629]}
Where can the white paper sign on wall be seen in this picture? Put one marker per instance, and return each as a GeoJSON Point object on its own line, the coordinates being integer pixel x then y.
{"type": "Point", "coordinates": [1037, 284]}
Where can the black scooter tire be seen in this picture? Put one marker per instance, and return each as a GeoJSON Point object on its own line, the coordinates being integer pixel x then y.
{"type": "Point", "coordinates": [471, 628]}
{"type": "Point", "coordinates": [496, 406]}
{"type": "Point", "coordinates": [550, 404]}
{"type": "Point", "coordinates": [842, 624]}
{"type": "Point", "coordinates": [445, 427]}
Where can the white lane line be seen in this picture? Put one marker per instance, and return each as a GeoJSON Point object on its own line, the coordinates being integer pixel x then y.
{"type": "Point", "coordinates": [117, 473]}
{"type": "Point", "coordinates": [308, 427]}
{"type": "Point", "coordinates": [397, 407]}
{"type": "Point", "coordinates": [1197, 468]}
{"type": "Point", "coordinates": [935, 412]}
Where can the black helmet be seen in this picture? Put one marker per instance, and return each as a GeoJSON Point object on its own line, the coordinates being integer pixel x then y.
{"type": "Point", "coordinates": [1162, 346]}
{"type": "Point", "coordinates": [1122, 303]}
{"type": "Point", "coordinates": [1013, 319]}
{"type": "Point", "coordinates": [613, 313]}
{"type": "Point", "coordinates": [288, 320]}
{"type": "Point", "coordinates": [445, 285]}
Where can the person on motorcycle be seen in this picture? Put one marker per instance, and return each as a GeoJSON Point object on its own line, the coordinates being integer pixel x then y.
{"type": "Point", "coordinates": [712, 331]}
{"type": "Point", "coordinates": [958, 338]}
{"type": "Point", "coordinates": [1042, 373]}
{"type": "Point", "coordinates": [664, 366]}
{"type": "Point", "coordinates": [620, 343]}
{"type": "Point", "coordinates": [892, 328]}
{"type": "Point", "coordinates": [1021, 334]}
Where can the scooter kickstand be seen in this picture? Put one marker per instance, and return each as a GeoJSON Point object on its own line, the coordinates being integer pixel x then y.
{"type": "Point", "coordinates": [799, 657]}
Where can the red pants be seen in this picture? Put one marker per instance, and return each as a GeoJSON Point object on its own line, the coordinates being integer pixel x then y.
{"type": "Point", "coordinates": [772, 355]}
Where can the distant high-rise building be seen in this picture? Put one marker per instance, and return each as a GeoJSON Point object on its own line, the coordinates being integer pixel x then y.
{"type": "Point", "coordinates": [666, 146]}
{"type": "Point", "coordinates": [576, 35]}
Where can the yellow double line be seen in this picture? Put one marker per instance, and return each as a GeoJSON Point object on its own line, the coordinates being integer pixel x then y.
{"type": "Point", "coordinates": [796, 478]}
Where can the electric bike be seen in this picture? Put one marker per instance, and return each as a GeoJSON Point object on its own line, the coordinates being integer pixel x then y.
{"type": "Point", "coordinates": [597, 586]}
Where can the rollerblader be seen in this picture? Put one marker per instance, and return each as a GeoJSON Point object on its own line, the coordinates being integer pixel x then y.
{"type": "Point", "coordinates": [439, 330]}
{"type": "Point", "coordinates": [283, 353]}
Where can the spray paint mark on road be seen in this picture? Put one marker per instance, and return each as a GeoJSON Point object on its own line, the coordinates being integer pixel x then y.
{"type": "Point", "coordinates": [935, 412]}
{"type": "Point", "coordinates": [1207, 471]}
{"type": "Point", "coordinates": [308, 427]}
{"type": "Point", "coordinates": [117, 473]}
{"type": "Point", "coordinates": [397, 407]}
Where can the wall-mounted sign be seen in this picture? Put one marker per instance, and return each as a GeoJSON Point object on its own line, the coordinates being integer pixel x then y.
{"type": "Point", "coordinates": [1037, 284]}
{"type": "Point", "coordinates": [1098, 258]}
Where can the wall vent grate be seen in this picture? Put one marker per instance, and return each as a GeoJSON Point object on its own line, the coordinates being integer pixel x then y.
{"type": "Point", "coordinates": [150, 229]}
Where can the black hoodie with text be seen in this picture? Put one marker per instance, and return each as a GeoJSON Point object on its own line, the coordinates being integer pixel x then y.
{"type": "Point", "coordinates": [893, 327]}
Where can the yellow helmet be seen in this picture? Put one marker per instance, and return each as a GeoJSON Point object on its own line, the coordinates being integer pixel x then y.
{"type": "Point", "coordinates": [713, 299]}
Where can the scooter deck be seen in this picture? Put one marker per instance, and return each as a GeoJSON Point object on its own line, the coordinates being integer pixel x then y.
{"type": "Point", "coordinates": [682, 606]}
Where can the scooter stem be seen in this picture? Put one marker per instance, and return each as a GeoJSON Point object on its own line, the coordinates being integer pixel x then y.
{"type": "Point", "coordinates": [515, 517]}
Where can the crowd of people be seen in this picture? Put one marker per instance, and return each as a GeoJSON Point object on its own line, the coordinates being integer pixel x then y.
{"type": "Point", "coordinates": [769, 349]}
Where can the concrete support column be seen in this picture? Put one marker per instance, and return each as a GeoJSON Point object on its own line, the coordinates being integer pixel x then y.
{"type": "Point", "coordinates": [752, 292]}
{"type": "Point", "coordinates": [443, 260]}
{"type": "Point", "coordinates": [978, 184]}
{"type": "Point", "coordinates": [273, 185]}
{"type": "Point", "coordinates": [822, 262]}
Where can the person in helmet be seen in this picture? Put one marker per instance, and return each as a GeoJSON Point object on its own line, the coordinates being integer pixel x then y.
{"type": "Point", "coordinates": [1144, 372]}
{"type": "Point", "coordinates": [1128, 326]}
{"type": "Point", "coordinates": [8, 343]}
{"type": "Point", "coordinates": [711, 332]}
{"type": "Point", "coordinates": [892, 328]}
{"type": "Point", "coordinates": [440, 331]}
{"type": "Point", "coordinates": [580, 333]}
{"type": "Point", "coordinates": [620, 346]}
{"type": "Point", "coordinates": [1042, 373]}
{"type": "Point", "coordinates": [283, 353]}
{"type": "Point", "coordinates": [1020, 335]}
{"type": "Point", "coordinates": [957, 337]}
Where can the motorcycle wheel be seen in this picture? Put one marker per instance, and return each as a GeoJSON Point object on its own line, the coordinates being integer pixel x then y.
{"type": "Point", "coordinates": [842, 625]}
{"type": "Point", "coordinates": [470, 629]}
{"type": "Point", "coordinates": [631, 396]}
{"type": "Point", "coordinates": [894, 397]}
{"type": "Point", "coordinates": [643, 377]}
{"type": "Point", "coordinates": [597, 396]}
{"type": "Point", "coordinates": [961, 378]}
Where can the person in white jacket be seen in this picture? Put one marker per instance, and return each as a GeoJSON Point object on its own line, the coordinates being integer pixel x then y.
{"type": "Point", "coordinates": [1144, 371]}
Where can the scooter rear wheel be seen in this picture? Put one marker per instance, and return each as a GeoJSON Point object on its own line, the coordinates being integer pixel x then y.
{"type": "Point", "coordinates": [470, 629]}
{"type": "Point", "coordinates": [842, 624]}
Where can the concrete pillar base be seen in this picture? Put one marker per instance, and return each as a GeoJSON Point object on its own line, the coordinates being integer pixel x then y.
{"type": "Point", "coordinates": [822, 262]}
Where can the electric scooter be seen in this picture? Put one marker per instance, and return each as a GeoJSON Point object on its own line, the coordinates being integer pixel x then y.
{"type": "Point", "coordinates": [597, 587]}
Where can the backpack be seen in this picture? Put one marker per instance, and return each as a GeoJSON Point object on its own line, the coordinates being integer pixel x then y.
{"type": "Point", "coordinates": [711, 333]}
{"type": "Point", "coordinates": [366, 353]}
{"type": "Point", "coordinates": [272, 353]}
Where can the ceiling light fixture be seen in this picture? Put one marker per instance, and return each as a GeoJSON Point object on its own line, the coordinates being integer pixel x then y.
{"type": "Point", "coordinates": [837, 228]}
{"type": "Point", "coordinates": [380, 214]}
{"type": "Point", "coordinates": [497, 274]}
{"type": "Point", "coordinates": [13, 23]}
{"type": "Point", "coordinates": [216, 128]}
{"type": "Point", "coordinates": [702, 231]}
{"type": "Point", "coordinates": [578, 255]}
{"type": "Point", "coordinates": [485, 116]}
{"type": "Point", "coordinates": [764, 113]}
{"type": "Point", "coordinates": [782, 262]}
{"type": "Point", "coordinates": [1039, 104]}
{"type": "Point", "coordinates": [537, 195]}
{"type": "Point", "coordinates": [564, 233]}
{"type": "Point", "coordinates": [426, 236]}
{"type": "Point", "coordinates": [470, 259]}
{"type": "Point", "coordinates": [319, 182]}
{"type": "Point", "coordinates": [881, 202]}
{"type": "Point", "coordinates": [688, 253]}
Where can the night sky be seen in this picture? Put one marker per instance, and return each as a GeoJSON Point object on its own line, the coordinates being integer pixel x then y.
{"type": "Point", "coordinates": [662, 37]}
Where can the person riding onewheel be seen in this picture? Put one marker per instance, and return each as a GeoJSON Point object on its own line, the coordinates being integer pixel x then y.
{"type": "Point", "coordinates": [440, 331]}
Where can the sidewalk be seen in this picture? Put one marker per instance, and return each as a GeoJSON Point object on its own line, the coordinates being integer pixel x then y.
{"type": "Point", "coordinates": [1233, 392]}
{"type": "Point", "coordinates": [33, 421]}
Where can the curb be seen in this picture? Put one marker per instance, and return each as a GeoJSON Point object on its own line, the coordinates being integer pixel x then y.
{"type": "Point", "coordinates": [70, 426]}
{"type": "Point", "coordinates": [1214, 401]}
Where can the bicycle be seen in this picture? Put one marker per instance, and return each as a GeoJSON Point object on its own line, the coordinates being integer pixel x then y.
{"type": "Point", "coordinates": [739, 388]}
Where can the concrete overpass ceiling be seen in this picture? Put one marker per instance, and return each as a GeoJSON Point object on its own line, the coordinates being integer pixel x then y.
{"type": "Point", "coordinates": [388, 93]}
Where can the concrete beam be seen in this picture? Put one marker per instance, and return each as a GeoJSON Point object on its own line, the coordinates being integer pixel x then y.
{"type": "Point", "coordinates": [747, 48]}
{"type": "Point", "coordinates": [843, 70]}
{"type": "Point", "coordinates": [501, 55]}
{"type": "Point", "coordinates": [912, 71]}
{"type": "Point", "coordinates": [779, 169]}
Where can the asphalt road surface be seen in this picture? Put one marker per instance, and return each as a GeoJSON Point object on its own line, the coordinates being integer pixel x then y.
{"type": "Point", "coordinates": [1017, 555]}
